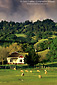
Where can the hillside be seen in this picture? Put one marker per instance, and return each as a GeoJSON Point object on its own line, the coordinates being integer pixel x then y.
{"type": "Point", "coordinates": [38, 34]}
{"type": "Point", "coordinates": [27, 32]}
{"type": "Point", "coordinates": [43, 54]}
{"type": "Point", "coordinates": [40, 41]}
{"type": "Point", "coordinates": [22, 37]}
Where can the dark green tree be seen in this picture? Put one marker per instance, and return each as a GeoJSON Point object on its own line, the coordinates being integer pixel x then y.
{"type": "Point", "coordinates": [52, 54]}
{"type": "Point", "coordinates": [32, 58]}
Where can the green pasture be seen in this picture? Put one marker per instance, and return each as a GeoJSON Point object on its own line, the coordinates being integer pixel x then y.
{"type": "Point", "coordinates": [21, 35]}
{"type": "Point", "coordinates": [43, 52]}
{"type": "Point", "coordinates": [53, 36]}
{"type": "Point", "coordinates": [13, 77]}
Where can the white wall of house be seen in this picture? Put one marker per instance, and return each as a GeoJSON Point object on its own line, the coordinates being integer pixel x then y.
{"type": "Point", "coordinates": [17, 60]}
{"type": "Point", "coordinates": [20, 60]}
{"type": "Point", "coordinates": [8, 60]}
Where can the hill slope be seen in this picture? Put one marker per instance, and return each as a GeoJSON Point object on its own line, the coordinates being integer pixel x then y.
{"type": "Point", "coordinates": [27, 32]}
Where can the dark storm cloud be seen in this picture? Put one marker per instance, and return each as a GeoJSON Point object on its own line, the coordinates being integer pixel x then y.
{"type": "Point", "coordinates": [15, 4]}
{"type": "Point", "coordinates": [16, 11]}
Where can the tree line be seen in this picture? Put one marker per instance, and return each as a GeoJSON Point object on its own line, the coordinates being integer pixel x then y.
{"type": "Point", "coordinates": [32, 33]}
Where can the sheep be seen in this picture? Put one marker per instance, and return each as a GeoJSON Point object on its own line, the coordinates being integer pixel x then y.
{"type": "Point", "coordinates": [30, 71]}
{"type": "Point", "coordinates": [22, 71]}
{"type": "Point", "coordinates": [45, 71]}
{"type": "Point", "coordinates": [14, 68]}
{"type": "Point", "coordinates": [39, 76]}
{"type": "Point", "coordinates": [22, 74]}
{"type": "Point", "coordinates": [38, 71]}
{"type": "Point", "coordinates": [26, 70]}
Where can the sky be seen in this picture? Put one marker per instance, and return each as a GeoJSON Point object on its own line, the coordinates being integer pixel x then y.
{"type": "Point", "coordinates": [33, 10]}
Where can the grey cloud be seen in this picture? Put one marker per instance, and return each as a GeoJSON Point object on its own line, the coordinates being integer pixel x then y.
{"type": "Point", "coordinates": [16, 11]}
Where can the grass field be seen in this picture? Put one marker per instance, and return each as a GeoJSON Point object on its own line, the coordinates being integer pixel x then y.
{"type": "Point", "coordinates": [53, 36]}
{"type": "Point", "coordinates": [13, 77]}
{"type": "Point", "coordinates": [21, 35]}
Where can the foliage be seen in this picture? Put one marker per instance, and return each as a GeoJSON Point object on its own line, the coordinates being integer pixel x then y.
{"type": "Point", "coordinates": [15, 47]}
{"type": "Point", "coordinates": [23, 32]}
{"type": "Point", "coordinates": [3, 54]}
{"type": "Point", "coordinates": [43, 45]}
{"type": "Point", "coordinates": [52, 55]}
{"type": "Point", "coordinates": [21, 37]}
{"type": "Point", "coordinates": [32, 58]}
{"type": "Point", "coordinates": [5, 51]}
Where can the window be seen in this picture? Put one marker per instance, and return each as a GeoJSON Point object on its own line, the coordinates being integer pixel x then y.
{"type": "Point", "coordinates": [11, 60]}
{"type": "Point", "coordinates": [20, 60]}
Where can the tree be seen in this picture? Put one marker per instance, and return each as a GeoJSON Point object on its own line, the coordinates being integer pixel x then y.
{"type": "Point", "coordinates": [15, 47]}
{"type": "Point", "coordinates": [32, 58]}
{"type": "Point", "coordinates": [3, 54]}
{"type": "Point", "coordinates": [52, 54]}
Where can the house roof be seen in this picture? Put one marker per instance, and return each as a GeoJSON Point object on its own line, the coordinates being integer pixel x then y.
{"type": "Point", "coordinates": [15, 54]}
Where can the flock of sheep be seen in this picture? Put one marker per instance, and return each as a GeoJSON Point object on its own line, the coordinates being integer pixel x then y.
{"type": "Point", "coordinates": [22, 74]}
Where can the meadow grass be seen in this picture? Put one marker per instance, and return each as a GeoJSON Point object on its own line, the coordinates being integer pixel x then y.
{"type": "Point", "coordinates": [21, 35]}
{"type": "Point", "coordinates": [42, 53]}
{"type": "Point", "coordinates": [53, 36]}
{"type": "Point", "coordinates": [13, 77]}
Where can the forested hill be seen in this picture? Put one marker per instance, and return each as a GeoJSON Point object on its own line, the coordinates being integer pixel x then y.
{"type": "Point", "coordinates": [27, 32]}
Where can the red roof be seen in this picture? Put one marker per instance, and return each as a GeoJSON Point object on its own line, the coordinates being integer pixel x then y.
{"type": "Point", "coordinates": [21, 56]}
{"type": "Point", "coordinates": [15, 54]}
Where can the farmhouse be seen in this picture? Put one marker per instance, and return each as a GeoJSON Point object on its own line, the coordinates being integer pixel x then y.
{"type": "Point", "coordinates": [15, 58]}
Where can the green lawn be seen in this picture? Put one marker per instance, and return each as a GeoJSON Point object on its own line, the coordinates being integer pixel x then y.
{"type": "Point", "coordinates": [13, 77]}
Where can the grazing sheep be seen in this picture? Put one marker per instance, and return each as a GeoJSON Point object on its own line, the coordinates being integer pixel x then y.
{"type": "Point", "coordinates": [26, 70]}
{"type": "Point", "coordinates": [22, 71]}
{"type": "Point", "coordinates": [14, 68]}
{"type": "Point", "coordinates": [40, 76]}
{"type": "Point", "coordinates": [22, 74]}
{"type": "Point", "coordinates": [38, 71]}
{"type": "Point", "coordinates": [30, 71]}
{"type": "Point", "coordinates": [45, 71]}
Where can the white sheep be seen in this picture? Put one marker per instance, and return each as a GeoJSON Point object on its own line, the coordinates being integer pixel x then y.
{"type": "Point", "coordinates": [14, 68]}
{"type": "Point", "coordinates": [22, 71]}
{"type": "Point", "coordinates": [45, 71]}
{"type": "Point", "coordinates": [26, 70]}
{"type": "Point", "coordinates": [22, 74]}
{"type": "Point", "coordinates": [38, 71]}
{"type": "Point", "coordinates": [30, 71]}
{"type": "Point", "coordinates": [39, 76]}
